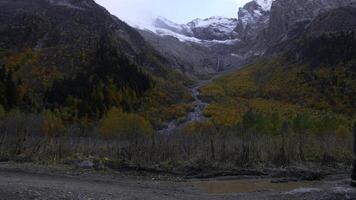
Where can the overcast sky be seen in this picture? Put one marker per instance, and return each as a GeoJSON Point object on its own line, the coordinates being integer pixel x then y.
{"type": "Point", "coordinates": [180, 11]}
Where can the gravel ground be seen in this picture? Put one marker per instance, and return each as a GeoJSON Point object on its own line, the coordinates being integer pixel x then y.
{"type": "Point", "coordinates": [27, 182]}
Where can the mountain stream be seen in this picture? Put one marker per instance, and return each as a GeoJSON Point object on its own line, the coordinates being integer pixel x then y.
{"type": "Point", "coordinates": [199, 105]}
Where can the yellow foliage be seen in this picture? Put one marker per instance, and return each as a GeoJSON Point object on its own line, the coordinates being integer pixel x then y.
{"type": "Point", "coordinates": [342, 132]}
{"type": "Point", "coordinates": [161, 106]}
{"type": "Point", "coordinates": [25, 57]}
{"type": "Point", "coordinates": [270, 86]}
{"type": "Point", "coordinates": [224, 115]}
{"type": "Point", "coordinates": [26, 65]}
{"type": "Point", "coordinates": [204, 127]}
{"type": "Point", "coordinates": [212, 91]}
{"type": "Point", "coordinates": [175, 111]}
{"type": "Point", "coordinates": [51, 124]}
{"type": "Point", "coordinates": [118, 123]}
{"type": "Point", "coordinates": [267, 106]}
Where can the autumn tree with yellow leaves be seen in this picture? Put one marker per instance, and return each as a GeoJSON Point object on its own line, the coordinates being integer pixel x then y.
{"type": "Point", "coordinates": [117, 123]}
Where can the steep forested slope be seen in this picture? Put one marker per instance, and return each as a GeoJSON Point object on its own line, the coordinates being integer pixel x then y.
{"type": "Point", "coordinates": [314, 73]}
{"type": "Point", "coordinates": [76, 58]}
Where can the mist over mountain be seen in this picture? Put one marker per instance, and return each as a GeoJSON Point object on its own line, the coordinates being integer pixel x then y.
{"type": "Point", "coordinates": [215, 43]}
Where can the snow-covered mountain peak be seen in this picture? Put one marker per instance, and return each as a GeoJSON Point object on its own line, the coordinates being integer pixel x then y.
{"type": "Point", "coordinates": [253, 17]}
{"type": "Point", "coordinates": [223, 24]}
{"type": "Point", "coordinates": [162, 20]}
{"type": "Point", "coordinates": [164, 23]}
{"type": "Point", "coordinates": [211, 21]}
{"type": "Point", "coordinates": [214, 29]}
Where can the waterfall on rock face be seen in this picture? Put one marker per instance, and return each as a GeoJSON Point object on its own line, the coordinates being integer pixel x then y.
{"type": "Point", "coordinates": [218, 65]}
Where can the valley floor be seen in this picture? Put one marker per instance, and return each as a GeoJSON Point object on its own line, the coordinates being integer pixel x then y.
{"type": "Point", "coordinates": [27, 181]}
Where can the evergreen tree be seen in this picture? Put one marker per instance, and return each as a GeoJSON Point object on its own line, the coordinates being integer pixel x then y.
{"type": "Point", "coordinates": [10, 90]}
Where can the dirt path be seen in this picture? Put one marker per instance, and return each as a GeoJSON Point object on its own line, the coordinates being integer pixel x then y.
{"type": "Point", "coordinates": [27, 182]}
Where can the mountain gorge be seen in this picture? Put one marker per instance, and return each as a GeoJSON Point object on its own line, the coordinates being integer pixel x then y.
{"type": "Point", "coordinates": [267, 98]}
{"type": "Point", "coordinates": [77, 38]}
{"type": "Point", "coordinates": [70, 35]}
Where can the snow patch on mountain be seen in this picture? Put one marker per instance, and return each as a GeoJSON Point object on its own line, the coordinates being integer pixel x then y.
{"type": "Point", "coordinates": [265, 4]}
{"type": "Point", "coordinates": [215, 29]}
{"type": "Point", "coordinates": [180, 37]}
{"type": "Point", "coordinates": [205, 31]}
{"type": "Point", "coordinates": [169, 23]}
{"type": "Point", "coordinates": [227, 42]}
{"type": "Point", "coordinates": [253, 17]}
{"type": "Point", "coordinates": [249, 17]}
{"type": "Point", "coordinates": [164, 27]}
{"type": "Point", "coordinates": [226, 25]}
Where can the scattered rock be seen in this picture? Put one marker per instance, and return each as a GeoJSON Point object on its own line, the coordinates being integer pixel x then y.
{"type": "Point", "coordinates": [303, 191]}
{"type": "Point", "coordinates": [86, 164]}
{"type": "Point", "coordinates": [283, 180]}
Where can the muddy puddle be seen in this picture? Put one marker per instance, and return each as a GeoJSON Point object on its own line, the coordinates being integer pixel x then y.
{"type": "Point", "coordinates": [248, 186]}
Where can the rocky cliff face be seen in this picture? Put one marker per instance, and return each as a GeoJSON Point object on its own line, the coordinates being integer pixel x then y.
{"type": "Point", "coordinates": [334, 25]}
{"type": "Point", "coordinates": [253, 18]}
{"type": "Point", "coordinates": [287, 15]}
{"type": "Point", "coordinates": [265, 31]}
{"type": "Point", "coordinates": [336, 20]}
{"type": "Point", "coordinates": [194, 58]}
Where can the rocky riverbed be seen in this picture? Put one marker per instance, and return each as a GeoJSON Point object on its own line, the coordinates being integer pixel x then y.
{"type": "Point", "coordinates": [199, 105]}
